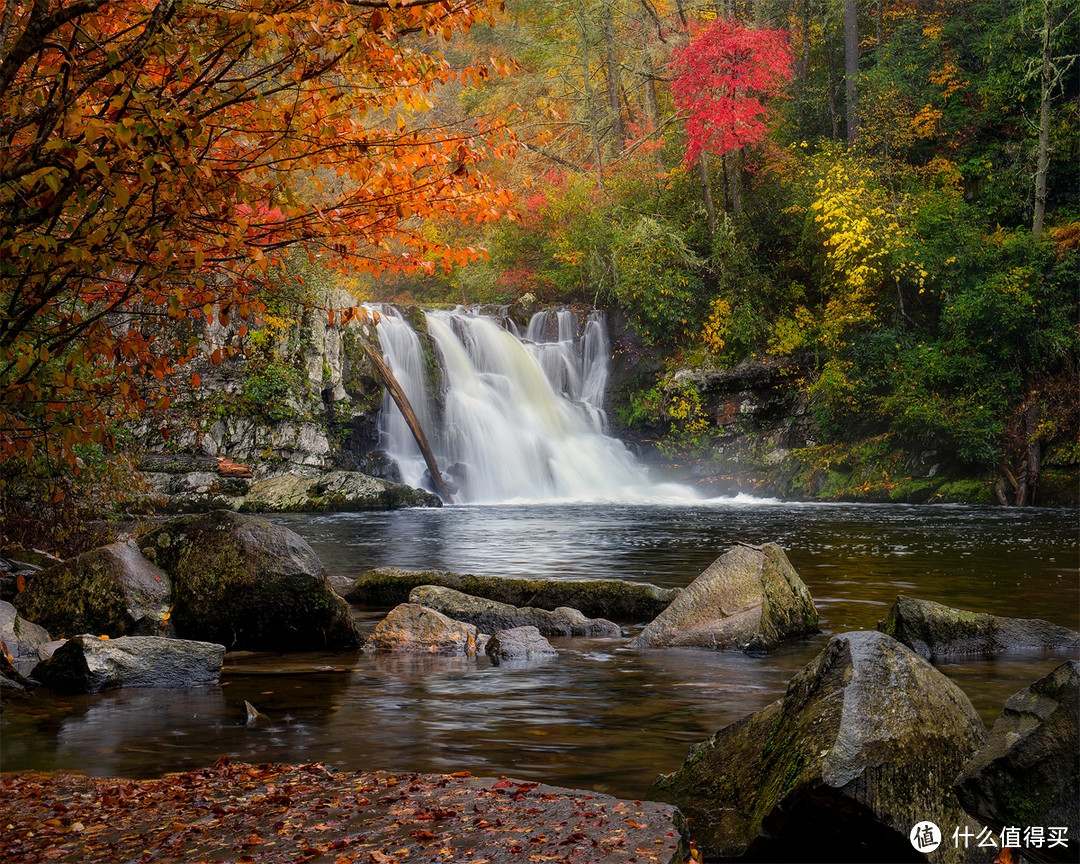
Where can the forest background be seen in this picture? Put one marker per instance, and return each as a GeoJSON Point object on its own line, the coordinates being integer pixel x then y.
{"type": "Point", "coordinates": [879, 195]}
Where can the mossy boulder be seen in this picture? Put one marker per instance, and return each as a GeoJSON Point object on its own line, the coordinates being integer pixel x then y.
{"type": "Point", "coordinates": [414, 629]}
{"type": "Point", "coordinates": [1029, 771]}
{"type": "Point", "coordinates": [90, 664]}
{"type": "Point", "coordinates": [336, 491]}
{"type": "Point", "coordinates": [934, 630]}
{"type": "Point", "coordinates": [490, 615]}
{"type": "Point", "coordinates": [597, 598]}
{"type": "Point", "coordinates": [863, 746]}
{"type": "Point", "coordinates": [247, 583]}
{"type": "Point", "coordinates": [112, 590]}
{"type": "Point", "coordinates": [748, 599]}
{"type": "Point", "coordinates": [23, 638]}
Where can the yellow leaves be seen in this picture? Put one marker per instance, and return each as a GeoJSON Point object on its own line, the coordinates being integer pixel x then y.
{"type": "Point", "coordinates": [924, 125]}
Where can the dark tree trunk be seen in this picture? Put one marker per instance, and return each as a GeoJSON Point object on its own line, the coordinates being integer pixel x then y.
{"type": "Point", "coordinates": [1043, 162]}
{"type": "Point", "coordinates": [851, 68]}
{"type": "Point", "coordinates": [614, 86]}
{"type": "Point", "coordinates": [402, 401]}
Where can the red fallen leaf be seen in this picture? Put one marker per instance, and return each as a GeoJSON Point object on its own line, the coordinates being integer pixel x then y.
{"type": "Point", "coordinates": [422, 834]}
{"type": "Point", "coordinates": [252, 840]}
{"type": "Point", "coordinates": [525, 787]}
{"type": "Point", "coordinates": [502, 784]}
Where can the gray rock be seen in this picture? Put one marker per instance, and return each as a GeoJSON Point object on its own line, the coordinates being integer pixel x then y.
{"type": "Point", "coordinates": [112, 590]}
{"type": "Point", "coordinates": [414, 629]}
{"type": "Point", "coordinates": [89, 664]}
{"type": "Point", "coordinates": [1028, 772]}
{"type": "Point", "coordinates": [861, 748]}
{"type": "Point", "coordinates": [22, 638]}
{"type": "Point", "coordinates": [597, 598]}
{"type": "Point", "coordinates": [519, 643]}
{"type": "Point", "coordinates": [336, 491]}
{"type": "Point", "coordinates": [248, 583]}
{"type": "Point", "coordinates": [932, 630]}
{"type": "Point", "coordinates": [748, 599]}
{"type": "Point", "coordinates": [490, 615]}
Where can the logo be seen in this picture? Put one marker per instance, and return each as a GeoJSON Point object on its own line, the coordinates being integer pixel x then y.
{"type": "Point", "coordinates": [925, 837]}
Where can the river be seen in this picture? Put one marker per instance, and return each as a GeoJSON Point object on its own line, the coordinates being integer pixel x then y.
{"type": "Point", "coordinates": [600, 715]}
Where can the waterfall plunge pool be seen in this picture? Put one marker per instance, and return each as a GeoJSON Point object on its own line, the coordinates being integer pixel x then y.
{"type": "Point", "coordinates": [599, 716]}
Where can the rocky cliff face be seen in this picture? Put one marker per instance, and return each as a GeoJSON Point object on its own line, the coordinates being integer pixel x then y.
{"type": "Point", "coordinates": [300, 395]}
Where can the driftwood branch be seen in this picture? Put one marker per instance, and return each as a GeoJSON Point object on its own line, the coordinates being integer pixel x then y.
{"type": "Point", "coordinates": [402, 401]}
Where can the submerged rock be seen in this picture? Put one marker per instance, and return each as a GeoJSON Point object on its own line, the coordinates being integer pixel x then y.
{"type": "Point", "coordinates": [248, 583]}
{"type": "Point", "coordinates": [933, 630]}
{"type": "Point", "coordinates": [336, 491]}
{"type": "Point", "coordinates": [22, 638]}
{"type": "Point", "coordinates": [490, 615]}
{"type": "Point", "coordinates": [861, 748]}
{"type": "Point", "coordinates": [519, 643]}
{"type": "Point", "coordinates": [748, 599]}
{"type": "Point", "coordinates": [1029, 771]}
{"type": "Point", "coordinates": [90, 664]}
{"type": "Point", "coordinates": [413, 628]}
{"type": "Point", "coordinates": [596, 598]}
{"type": "Point", "coordinates": [112, 590]}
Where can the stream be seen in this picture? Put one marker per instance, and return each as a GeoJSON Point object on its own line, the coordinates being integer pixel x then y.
{"type": "Point", "coordinates": [599, 716]}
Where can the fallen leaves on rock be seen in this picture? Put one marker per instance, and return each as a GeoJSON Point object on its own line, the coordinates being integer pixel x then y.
{"type": "Point", "coordinates": [307, 813]}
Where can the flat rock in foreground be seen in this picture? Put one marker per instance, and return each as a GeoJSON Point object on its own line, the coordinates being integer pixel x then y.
{"type": "Point", "coordinates": [934, 630]}
{"type": "Point", "coordinates": [90, 664]}
{"type": "Point", "coordinates": [597, 598]}
{"type": "Point", "coordinates": [748, 599]}
{"type": "Point", "coordinates": [490, 615]}
{"type": "Point", "coordinates": [269, 813]}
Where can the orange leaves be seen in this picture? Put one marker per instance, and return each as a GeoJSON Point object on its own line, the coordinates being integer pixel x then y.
{"type": "Point", "coordinates": [161, 191]}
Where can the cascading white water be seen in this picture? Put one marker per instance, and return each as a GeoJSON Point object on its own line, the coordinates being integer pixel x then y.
{"type": "Point", "coordinates": [518, 420]}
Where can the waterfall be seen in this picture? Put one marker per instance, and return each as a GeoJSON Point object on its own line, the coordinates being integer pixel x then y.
{"type": "Point", "coordinates": [516, 418]}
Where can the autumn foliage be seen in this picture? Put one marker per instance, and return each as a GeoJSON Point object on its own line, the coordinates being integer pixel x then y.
{"type": "Point", "coordinates": [722, 81]}
{"type": "Point", "coordinates": [157, 157]}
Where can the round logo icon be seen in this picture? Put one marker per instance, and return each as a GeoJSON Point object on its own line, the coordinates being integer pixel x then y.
{"type": "Point", "coordinates": [925, 837]}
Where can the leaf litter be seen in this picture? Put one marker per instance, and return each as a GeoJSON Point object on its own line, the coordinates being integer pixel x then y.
{"type": "Point", "coordinates": [234, 811]}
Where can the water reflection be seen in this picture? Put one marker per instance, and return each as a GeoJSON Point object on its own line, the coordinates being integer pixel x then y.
{"type": "Point", "coordinates": [599, 716]}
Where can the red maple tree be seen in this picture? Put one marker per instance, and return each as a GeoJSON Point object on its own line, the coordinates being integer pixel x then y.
{"type": "Point", "coordinates": [722, 80]}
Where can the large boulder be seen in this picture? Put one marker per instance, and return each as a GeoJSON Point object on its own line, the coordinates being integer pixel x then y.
{"type": "Point", "coordinates": [112, 590]}
{"type": "Point", "coordinates": [22, 638]}
{"type": "Point", "coordinates": [335, 491]}
{"type": "Point", "coordinates": [519, 643]}
{"type": "Point", "coordinates": [597, 598]}
{"type": "Point", "coordinates": [490, 615]}
{"type": "Point", "coordinates": [414, 629]}
{"type": "Point", "coordinates": [861, 748]}
{"type": "Point", "coordinates": [90, 664]}
{"type": "Point", "coordinates": [932, 630]}
{"type": "Point", "coordinates": [1028, 773]}
{"type": "Point", "coordinates": [248, 583]}
{"type": "Point", "coordinates": [748, 599]}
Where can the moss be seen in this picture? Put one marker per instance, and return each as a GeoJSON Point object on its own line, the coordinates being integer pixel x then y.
{"type": "Point", "coordinates": [76, 597]}
{"type": "Point", "coordinates": [596, 598]}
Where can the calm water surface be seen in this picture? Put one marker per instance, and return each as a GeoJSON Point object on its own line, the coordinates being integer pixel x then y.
{"type": "Point", "coordinates": [599, 716]}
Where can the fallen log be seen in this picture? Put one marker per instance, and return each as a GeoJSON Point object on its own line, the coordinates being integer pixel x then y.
{"type": "Point", "coordinates": [402, 401]}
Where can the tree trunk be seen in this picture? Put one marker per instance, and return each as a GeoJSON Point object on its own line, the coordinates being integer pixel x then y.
{"type": "Point", "coordinates": [589, 101]}
{"type": "Point", "coordinates": [1043, 162]}
{"type": "Point", "coordinates": [830, 63]}
{"type": "Point", "coordinates": [1028, 478]}
{"type": "Point", "coordinates": [613, 84]}
{"type": "Point", "coordinates": [851, 67]}
{"type": "Point", "coordinates": [804, 62]}
{"type": "Point", "coordinates": [706, 194]}
{"type": "Point", "coordinates": [402, 402]}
